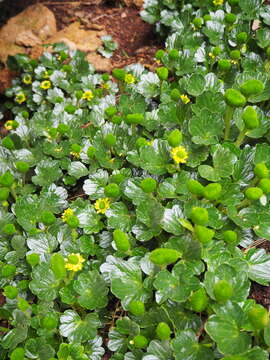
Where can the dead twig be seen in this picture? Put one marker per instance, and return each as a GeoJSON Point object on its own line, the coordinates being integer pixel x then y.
{"type": "Point", "coordinates": [254, 244]}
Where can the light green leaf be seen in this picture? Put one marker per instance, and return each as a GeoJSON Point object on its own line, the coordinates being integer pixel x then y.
{"type": "Point", "coordinates": [186, 346]}
{"type": "Point", "coordinates": [76, 329]}
{"type": "Point", "coordinates": [119, 217]}
{"type": "Point", "coordinates": [77, 169]}
{"type": "Point", "coordinates": [44, 283]}
{"type": "Point", "coordinates": [92, 290]}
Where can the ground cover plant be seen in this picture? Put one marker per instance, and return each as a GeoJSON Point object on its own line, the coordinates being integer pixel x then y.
{"type": "Point", "coordinates": [132, 203]}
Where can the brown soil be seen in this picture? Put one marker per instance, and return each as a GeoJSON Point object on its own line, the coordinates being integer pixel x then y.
{"type": "Point", "coordinates": [261, 294]}
{"type": "Point", "coordinates": [136, 39]}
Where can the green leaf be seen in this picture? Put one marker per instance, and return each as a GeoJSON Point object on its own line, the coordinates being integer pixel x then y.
{"type": "Point", "coordinates": [206, 128]}
{"type": "Point", "coordinates": [154, 158]}
{"type": "Point", "coordinates": [27, 211]}
{"type": "Point", "coordinates": [258, 266]}
{"type": "Point", "coordinates": [170, 221]}
{"type": "Point", "coordinates": [208, 172]}
{"type": "Point", "coordinates": [119, 217]}
{"type": "Point", "coordinates": [53, 198]}
{"type": "Point", "coordinates": [125, 277]}
{"type": "Point", "coordinates": [223, 161]}
{"type": "Point", "coordinates": [211, 101]}
{"type": "Point", "coordinates": [94, 186]}
{"type": "Point", "coordinates": [89, 219]}
{"type": "Point", "coordinates": [133, 191]}
{"type": "Point", "coordinates": [150, 213]}
{"type": "Point", "coordinates": [181, 317]}
{"type": "Point", "coordinates": [42, 243]}
{"type": "Point", "coordinates": [262, 154]}
{"type": "Point", "coordinates": [13, 338]}
{"type": "Point", "coordinates": [44, 283]}
{"type": "Point", "coordinates": [158, 350]}
{"type": "Point", "coordinates": [76, 329]}
{"type": "Point", "coordinates": [77, 169]}
{"type": "Point", "coordinates": [238, 278]}
{"type": "Point", "coordinates": [186, 346]}
{"type": "Point", "coordinates": [195, 84]}
{"type": "Point", "coordinates": [176, 288]}
{"type": "Point", "coordinates": [92, 290]}
{"type": "Point", "coordinates": [38, 348]}
{"type": "Point", "coordinates": [47, 172]}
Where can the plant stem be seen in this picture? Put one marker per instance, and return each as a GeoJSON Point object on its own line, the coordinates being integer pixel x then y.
{"type": "Point", "coordinates": [227, 120]}
{"type": "Point", "coordinates": [240, 138]}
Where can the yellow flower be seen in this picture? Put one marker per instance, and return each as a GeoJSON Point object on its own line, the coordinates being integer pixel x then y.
{"type": "Point", "coordinates": [130, 79]}
{"type": "Point", "coordinates": [8, 125]}
{"type": "Point", "coordinates": [102, 205]}
{"type": "Point", "coordinates": [179, 154]}
{"type": "Point", "coordinates": [105, 86]}
{"type": "Point", "coordinates": [66, 214]}
{"type": "Point", "coordinates": [45, 75]}
{"type": "Point", "coordinates": [45, 85]}
{"type": "Point", "coordinates": [74, 262]}
{"type": "Point", "coordinates": [185, 99]}
{"type": "Point", "coordinates": [234, 62]}
{"type": "Point", "coordinates": [211, 55]}
{"type": "Point", "coordinates": [88, 95]}
{"type": "Point", "coordinates": [27, 79]}
{"type": "Point", "coordinates": [20, 98]}
{"type": "Point", "coordinates": [218, 2]}
{"type": "Point", "coordinates": [75, 154]}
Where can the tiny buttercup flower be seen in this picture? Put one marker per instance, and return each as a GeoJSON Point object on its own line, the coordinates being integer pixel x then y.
{"type": "Point", "coordinates": [45, 75]}
{"type": "Point", "coordinates": [66, 214]}
{"type": "Point", "coordinates": [74, 262]}
{"type": "Point", "coordinates": [88, 95]}
{"type": "Point", "coordinates": [211, 55]}
{"type": "Point", "coordinates": [217, 2]}
{"type": "Point", "coordinates": [27, 79]}
{"type": "Point", "coordinates": [8, 125]}
{"type": "Point", "coordinates": [106, 86]}
{"type": "Point", "coordinates": [185, 99]}
{"type": "Point", "coordinates": [45, 85]}
{"type": "Point", "coordinates": [179, 154]}
{"type": "Point", "coordinates": [130, 79]}
{"type": "Point", "coordinates": [102, 205]}
{"type": "Point", "coordinates": [20, 98]}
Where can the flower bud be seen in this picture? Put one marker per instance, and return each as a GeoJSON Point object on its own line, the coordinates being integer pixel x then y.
{"type": "Point", "coordinates": [212, 191]}
{"type": "Point", "coordinates": [250, 118]}
{"type": "Point", "coordinates": [252, 87]}
{"type": "Point", "coordinates": [163, 331]}
{"type": "Point", "coordinates": [253, 193]}
{"type": "Point", "coordinates": [175, 138]}
{"type": "Point", "coordinates": [199, 216]}
{"type": "Point", "coordinates": [261, 170]}
{"type": "Point", "coordinates": [203, 234]}
{"type": "Point", "coordinates": [234, 98]}
{"type": "Point", "coordinates": [163, 257]}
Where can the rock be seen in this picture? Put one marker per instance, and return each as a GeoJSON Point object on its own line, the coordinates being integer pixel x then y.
{"type": "Point", "coordinates": [32, 26]}
{"type": "Point", "coordinates": [74, 36]}
{"type": "Point", "coordinates": [137, 3]}
{"type": "Point", "coordinates": [36, 18]}
{"type": "Point", "coordinates": [100, 63]}
{"type": "Point", "coordinates": [27, 38]}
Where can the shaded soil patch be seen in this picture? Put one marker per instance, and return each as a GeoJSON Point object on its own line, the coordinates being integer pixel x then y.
{"type": "Point", "coordinates": [261, 294]}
